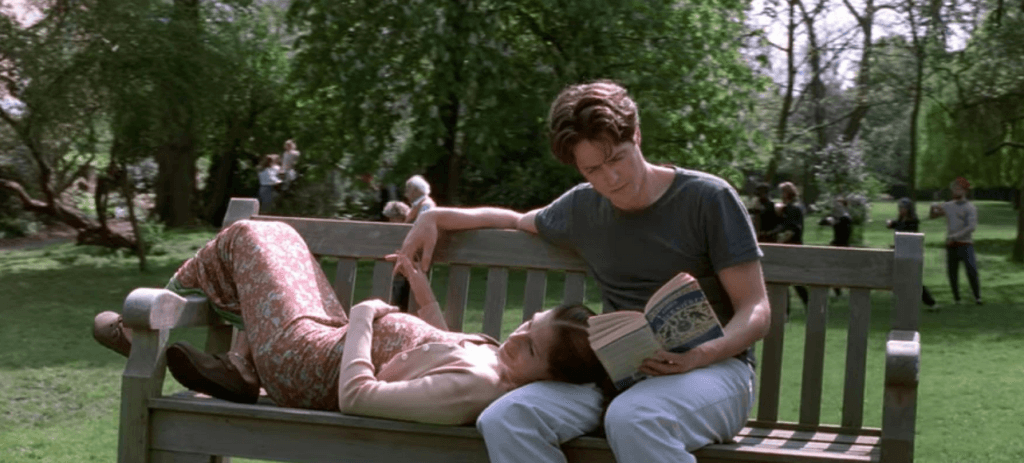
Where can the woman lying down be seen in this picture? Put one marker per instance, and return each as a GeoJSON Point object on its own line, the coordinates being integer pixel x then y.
{"type": "Point", "coordinates": [299, 345]}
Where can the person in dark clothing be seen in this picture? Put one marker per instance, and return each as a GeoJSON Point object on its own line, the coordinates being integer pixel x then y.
{"type": "Point", "coordinates": [842, 227]}
{"type": "Point", "coordinates": [841, 222]}
{"type": "Point", "coordinates": [763, 214]}
{"type": "Point", "coordinates": [790, 229]}
{"type": "Point", "coordinates": [396, 212]}
{"type": "Point", "coordinates": [908, 222]}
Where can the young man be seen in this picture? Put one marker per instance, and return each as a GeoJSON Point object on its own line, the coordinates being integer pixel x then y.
{"type": "Point", "coordinates": [637, 225]}
{"type": "Point", "coordinates": [961, 220]}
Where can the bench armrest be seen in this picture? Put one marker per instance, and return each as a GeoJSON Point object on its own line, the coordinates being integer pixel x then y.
{"type": "Point", "coordinates": [155, 309]}
{"type": "Point", "coordinates": [903, 359]}
{"type": "Point", "coordinates": [899, 408]}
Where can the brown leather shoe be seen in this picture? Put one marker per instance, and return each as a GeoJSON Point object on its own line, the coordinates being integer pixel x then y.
{"type": "Point", "coordinates": [109, 331]}
{"type": "Point", "coordinates": [224, 376]}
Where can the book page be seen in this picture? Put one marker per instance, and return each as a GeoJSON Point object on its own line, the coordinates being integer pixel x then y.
{"type": "Point", "coordinates": [623, 356]}
{"type": "Point", "coordinates": [605, 328]}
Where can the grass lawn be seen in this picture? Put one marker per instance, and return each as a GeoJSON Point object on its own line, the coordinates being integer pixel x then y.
{"type": "Point", "coordinates": [59, 390]}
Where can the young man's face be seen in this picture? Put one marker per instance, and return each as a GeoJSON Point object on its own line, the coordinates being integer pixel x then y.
{"type": "Point", "coordinates": [618, 175]}
{"type": "Point", "coordinates": [956, 190]}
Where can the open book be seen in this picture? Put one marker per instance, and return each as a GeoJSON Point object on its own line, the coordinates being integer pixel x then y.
{"type": "Point", "coordinates": [677, 318]}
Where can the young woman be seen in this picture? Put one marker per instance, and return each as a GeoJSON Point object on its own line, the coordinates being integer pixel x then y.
{"type": "Point", "coordinates": [305, 352]}
{"type": "Point", "coordinates": [907, 221]}
{"type": "Point", "coordinates": [269, 174]}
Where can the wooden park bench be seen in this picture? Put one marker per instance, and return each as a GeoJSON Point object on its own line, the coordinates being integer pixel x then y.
{"type": "Point", "coordinates": [187, 427]}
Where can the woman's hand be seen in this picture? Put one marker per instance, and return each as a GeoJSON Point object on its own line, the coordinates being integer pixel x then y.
{"type": "Point", "coordinates": [420, 241]}
{"type": "Point", "coordinates": [404, 266]}
{"type": "Point", "coordinates": [418, 282]}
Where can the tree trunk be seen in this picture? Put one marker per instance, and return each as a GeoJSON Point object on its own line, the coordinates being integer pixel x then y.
{"type": "Point", "coordinates": [176, 181]}
{"type": "Point", "coordinates": [1018, 245]}
{"type": "Point", "coordinates": [176, 157]}
{"type": "Point", "coordinates": [860, 111]}
{"type": "Point", "coordinates": [919, 55]}
{"type": "Point", "coordinates": [448, 171]}
{"type": "Point", "coordinates": [816, 89]}
{"type": "Point", "coordinates": [89, 231]}
{"type": "Point", "coordinates": [782, 127]}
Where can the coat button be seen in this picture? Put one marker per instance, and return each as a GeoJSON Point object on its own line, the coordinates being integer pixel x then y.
{"type": "Point", "coordinates": [405, 356]}
{"type": "Point", "coordinates": [426, 348]}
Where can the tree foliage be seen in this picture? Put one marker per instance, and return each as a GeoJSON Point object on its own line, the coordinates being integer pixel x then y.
{"type": "Point", "coordinates": [459, 90]}
{"type": "Point", "coordinates": [102, 85]}
{"type": "Point", "coordinates": [976, 128]}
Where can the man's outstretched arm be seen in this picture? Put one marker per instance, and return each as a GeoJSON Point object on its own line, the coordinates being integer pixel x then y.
{"type": "Point", "coordinates": [422, 238]}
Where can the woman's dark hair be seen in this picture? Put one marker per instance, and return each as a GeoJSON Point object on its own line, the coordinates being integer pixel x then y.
{"type": "Point", "coordinates": [269, 160]}
{"type": "Point", "coordinates": [907, 204]}
{"type": "Point", "coordinates": [571, 359]}
{"type": "Point", "coordinates": [601, 112]}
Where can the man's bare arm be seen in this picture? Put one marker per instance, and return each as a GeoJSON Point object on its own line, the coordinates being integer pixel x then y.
{"type": "Point", "coordinates": [422, 238]}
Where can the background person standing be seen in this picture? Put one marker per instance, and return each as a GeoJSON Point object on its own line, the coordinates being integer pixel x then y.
{"type": "Point", "coordinates": [269, 173]}
{"type": "Point", "coordinates": [790, 229]}
{"type": "Point", "coordinates": [907, 221]}
{"type": "Point", "coordinates": [961, 220]}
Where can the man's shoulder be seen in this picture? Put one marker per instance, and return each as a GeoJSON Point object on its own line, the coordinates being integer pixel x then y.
{"type": "Point", "coordinates": [700, 178]}
{"type": "Point", "coordinates": [581, 192]}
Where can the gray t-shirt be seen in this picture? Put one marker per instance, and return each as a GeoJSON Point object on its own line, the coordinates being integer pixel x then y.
{"type": "Point", "coordinates": [961, 220]}
{"type": "Point", "coordinates": [699, 226]}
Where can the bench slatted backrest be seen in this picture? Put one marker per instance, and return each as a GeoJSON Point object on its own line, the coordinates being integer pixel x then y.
{"type": "Point", "coordinates": [496, 250]}
{"type": "Point", "coordinates": [817, 268]}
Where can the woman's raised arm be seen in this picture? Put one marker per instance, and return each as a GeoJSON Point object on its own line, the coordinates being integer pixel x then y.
{"type": "Point", "coordinates": [429, 310]}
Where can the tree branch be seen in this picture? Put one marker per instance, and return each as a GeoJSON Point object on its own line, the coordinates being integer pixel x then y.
{"type": "Point", "coordinates": [1005, 144]}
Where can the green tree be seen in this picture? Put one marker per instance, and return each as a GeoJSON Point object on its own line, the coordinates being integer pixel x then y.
{"type": "Point", "coordinates": [55, 117]}
{"type": "Point", "coordinates": [460, 89]}
{"type": "Point", "coordinates": [976, 128]}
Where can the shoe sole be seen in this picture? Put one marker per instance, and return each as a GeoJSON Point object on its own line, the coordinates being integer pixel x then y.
{"type": "Point", "coordinates": [182, 366]}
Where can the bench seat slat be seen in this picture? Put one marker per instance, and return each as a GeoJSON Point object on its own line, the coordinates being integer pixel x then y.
{"type": "Point", "coordinates": [815, 436]}
{"type": "Point", "coordinates": [785, 451]}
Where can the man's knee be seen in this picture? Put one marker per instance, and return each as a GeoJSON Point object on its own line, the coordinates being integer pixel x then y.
{"type": "Point", "coordinates": [626, 415]}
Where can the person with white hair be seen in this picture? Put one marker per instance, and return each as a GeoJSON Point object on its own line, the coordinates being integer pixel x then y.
{"type": "Point", "coordinates": [396, 211]}
{"type": "Point", "coordinates": [417, 191]}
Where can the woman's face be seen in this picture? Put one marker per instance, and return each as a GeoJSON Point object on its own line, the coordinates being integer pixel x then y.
{"type": "Point", "coordinates": [524, 355]}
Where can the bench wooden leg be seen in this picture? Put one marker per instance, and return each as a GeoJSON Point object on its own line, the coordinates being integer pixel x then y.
{"type": "Point", "coordinates": [159, 456]}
